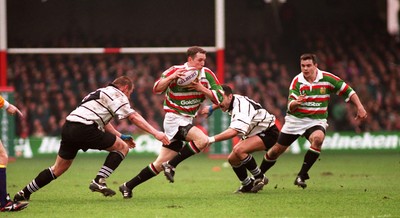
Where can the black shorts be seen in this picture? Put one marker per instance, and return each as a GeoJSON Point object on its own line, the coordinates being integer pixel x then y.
{"type": "Point", "coordinates": [76, 136]}
{"type": "Point", "coordinates": [287, 139]}
{"type": "Point", "coordinates": [269, 136]}
{"type": "Point", "coordinates": [179, 139]}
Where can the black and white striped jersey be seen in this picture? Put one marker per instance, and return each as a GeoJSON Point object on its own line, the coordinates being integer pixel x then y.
{"type": "Point", "coordinates": [248, 116]}
{"type": "Point", "coordinates": [101, 106]}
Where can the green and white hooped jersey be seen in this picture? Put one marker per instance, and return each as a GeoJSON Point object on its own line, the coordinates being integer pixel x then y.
{"type": "Point", "coordinates": [187, 102]}
{"type": "Point", "coordinates": [317, 94]}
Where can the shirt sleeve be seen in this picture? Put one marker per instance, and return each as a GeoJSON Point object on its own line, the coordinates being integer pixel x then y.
{"type": "Point", "coordinates": [294, 92]}
{"type": "Point", "coordinates": [215, 86]}
{"type": "Point", "coordinates": [121, 107]}
{"type": "Point", "coordinates": [165, 74]}
{"type": "Point", "coordinates": [241, 117]}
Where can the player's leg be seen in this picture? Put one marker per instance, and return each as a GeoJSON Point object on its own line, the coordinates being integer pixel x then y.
{"type": "Point", "coordinates": [269, 138]}
{"type": "Point", "coordinates": [43, 178]}
{"type": "Point", "coordinates": [197, 141]}
{"type": "Point", "coordinates": [316, 136]}
{"type": "Point", "coordinates": [65, 157]}
{"type": "Point", "coordinates": [3, 178]}
{"type": "Point", "coordinates": [153, 169]}
{"type": "Point", "coordinates": [6, 204]}
{"type": "Point", "coordinates": [243, 151]}
{"type": "Point", "coordinates": [241, 173]}
{"type": "Point", "coordinates": [283, 142]}
{"type": "Point", "coordinates": [118, 151]}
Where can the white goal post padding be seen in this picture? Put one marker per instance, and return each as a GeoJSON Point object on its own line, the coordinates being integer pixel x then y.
{"type": "Point", "coordinates": [124, 50]}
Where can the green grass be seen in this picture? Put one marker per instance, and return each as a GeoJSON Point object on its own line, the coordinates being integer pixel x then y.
{"type": "Point", "coordinates": [342, 185]}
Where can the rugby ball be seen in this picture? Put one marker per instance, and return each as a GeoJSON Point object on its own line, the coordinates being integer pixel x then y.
{"type": "Point", "coordinates": [188, 78]}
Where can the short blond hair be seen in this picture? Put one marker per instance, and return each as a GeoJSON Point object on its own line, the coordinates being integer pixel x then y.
{"type": "Point", "coordinates": [123, 81]}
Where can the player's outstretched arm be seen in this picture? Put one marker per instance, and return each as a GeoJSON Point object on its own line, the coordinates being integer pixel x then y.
{"type": "Point", "coordinates": [227, 134]}
{"type": "Point", "coordinates": [126, 138]}
{"type": "Point", "coordinates": [361, 112]}
{"type": "Point", "coordinates": [139, 121]}
{"type": "Point", "coordinates": [208, 110]}
{"type": "Point", "coordinates": [12, 109]}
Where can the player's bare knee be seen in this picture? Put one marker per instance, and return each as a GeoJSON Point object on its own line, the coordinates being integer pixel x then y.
{"type": "Point", "coordinates": [276, 151]}
{"type": "Point", "coordinates": [231, 157]}
{"type": "Point", "coordinates": [238, 151]}
{"type": "Point", "coordinates": [317, 141]}
{"type": "Point", "coordinates": [233, 160]}
{"type": "Point", "coordinates": [122, 147]}
{"type": "Point", "coordinates": [123, 151]}
{"type": "Point", "coordinates": [272, 154]}
{"type": "Point", "coordinates": [201, 142]}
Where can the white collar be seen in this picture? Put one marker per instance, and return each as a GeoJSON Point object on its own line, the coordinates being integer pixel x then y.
{"type": "Point", "coordinates": [186, 65]}
{"type": "Point", "coordinates": [319, 76]}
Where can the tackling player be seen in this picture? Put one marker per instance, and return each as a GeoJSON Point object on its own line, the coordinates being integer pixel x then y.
{"type": "Point", "coordinates": [258, 133]}
{"type": "Point", "coordinates": [89, 127]}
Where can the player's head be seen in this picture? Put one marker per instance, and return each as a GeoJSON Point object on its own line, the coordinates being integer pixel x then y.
{"type": "Point", "coordinates": [124, 84]}
{"type": "Point", "coordinates": [309, 56]}
{"type": "Point", "coordinates": [308, 65]}
{"type": "Point", "coordinates": [196, 57]}
{"type": "Point", "coordinates": [227, 98]}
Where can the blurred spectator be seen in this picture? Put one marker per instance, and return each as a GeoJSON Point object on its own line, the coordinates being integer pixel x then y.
{"type": "Point", "coordinates": [38, 130]}
{"type": "Point", "coordinates": [49, 86]}
{"type": "Point", "coordinates": [52, 128]}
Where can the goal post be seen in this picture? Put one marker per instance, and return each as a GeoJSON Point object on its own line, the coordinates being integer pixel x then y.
{"type": "Point", "coordinates": [218, 123]}
{"type": "Point", "coordinates": [3, 43]}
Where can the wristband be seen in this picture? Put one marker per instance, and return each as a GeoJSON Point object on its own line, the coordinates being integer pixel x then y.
{"type": "Point", "coordinates": [126, 137]}
{"type": "Point", "coordinates": [6, 104]}
{"type": "Point", "coordinates": [211, 140]}
{"type": "Point", "coordinates": [210, 110]}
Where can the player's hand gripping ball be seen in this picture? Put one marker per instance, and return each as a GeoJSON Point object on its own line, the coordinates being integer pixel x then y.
{"type": "Point", "coordinates": [188, 77]}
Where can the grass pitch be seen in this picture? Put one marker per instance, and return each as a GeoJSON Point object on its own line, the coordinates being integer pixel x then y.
{"type": "Point", "coordinates": [364, 184]}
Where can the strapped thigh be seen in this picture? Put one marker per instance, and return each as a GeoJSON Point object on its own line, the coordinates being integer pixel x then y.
{"type": "Point", "coordinates": [287, 139]}
{"type": "Point", "coordinates": [175, 145]}
{"type": "Point", "coordinates": [313, 129]}
{"type": "Point", "coordinates": [182, 132]}
{"type": "Point", "coordinates": [178, 141]}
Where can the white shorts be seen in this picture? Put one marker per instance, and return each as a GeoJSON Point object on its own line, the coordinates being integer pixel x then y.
{"type": "Point", "coordinates": [173, 121]}
{"type": "Point", "coordinates": [297, 126]}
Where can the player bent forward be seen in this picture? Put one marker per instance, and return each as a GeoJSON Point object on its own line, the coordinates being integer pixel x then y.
{"type": "Point", "coordinates": [258, 133]}
{"type": "Point", "coordinates": [88, 127]}
{"type": "Point", "coordinates": [307, 112]}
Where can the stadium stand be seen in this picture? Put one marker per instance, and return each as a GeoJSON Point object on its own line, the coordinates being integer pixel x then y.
{"type": "Point", "coordinates": [49, 86]}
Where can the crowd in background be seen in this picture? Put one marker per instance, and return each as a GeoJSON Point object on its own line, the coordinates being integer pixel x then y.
{"type": "Point", "coordinates": [48, 87]}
